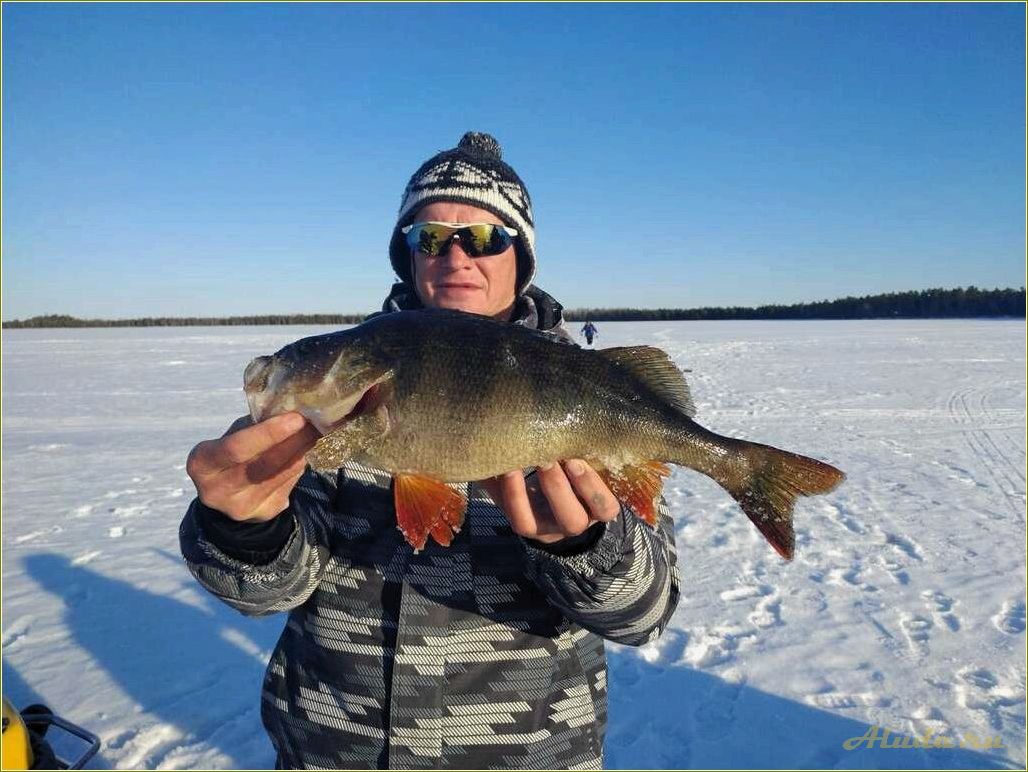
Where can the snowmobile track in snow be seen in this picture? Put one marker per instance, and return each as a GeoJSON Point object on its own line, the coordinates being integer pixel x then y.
{"type": "Point", "coordinates": [1007, 476]}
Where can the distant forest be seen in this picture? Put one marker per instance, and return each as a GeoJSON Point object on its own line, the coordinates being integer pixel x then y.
{"type": "Point", "coordinates": [923, 304]}
{"type": "Point", "coordinates": [918, 304]}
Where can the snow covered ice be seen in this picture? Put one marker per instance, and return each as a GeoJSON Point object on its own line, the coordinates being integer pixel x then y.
{"type": "Point", "coordinates": [903, 610]}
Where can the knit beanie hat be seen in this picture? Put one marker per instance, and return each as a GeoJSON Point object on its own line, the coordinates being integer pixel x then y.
{"type": "Point", "coordinates": [471, 173]}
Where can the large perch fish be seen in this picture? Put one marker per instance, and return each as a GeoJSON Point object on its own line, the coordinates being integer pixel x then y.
{"type": "Point", "coordinates": [442, 396]}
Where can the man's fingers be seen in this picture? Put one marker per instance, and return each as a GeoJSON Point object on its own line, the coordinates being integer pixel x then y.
{"type": "Point", "coordinates": [559, 500]}
{"type": "Point", "coordinates": [567, 510]}
{"type": "Point", "coordinates": [591, 490]}
{"type": "Point", "coordinates": [279, 497]}
{"type": "Point", "coordinates": [242, 445]}
{"type": "Point", "coordinates": [271, 461]}
{"type": "Point", "coordinates": [492, 486]}
{"type": "Point", "coordinates": [240, 423]}
{"type": "Point", "coordinates": [241, 499]}
{"type": "Point", "coordinates": [514, 501]}
{"type": "Point", "coordinates": [524, 522]}
{"type": "Point", "coordinates": [262, 471]}
{"type": "Point", "coordinates": [279, 488]}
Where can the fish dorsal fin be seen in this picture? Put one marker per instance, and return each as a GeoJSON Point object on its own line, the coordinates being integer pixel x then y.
{"type": "Point", "coordinates": [657, 370]}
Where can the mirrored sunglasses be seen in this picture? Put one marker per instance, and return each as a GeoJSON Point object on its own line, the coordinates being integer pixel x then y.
{"type": "Point", "coordinates": [476, 239]}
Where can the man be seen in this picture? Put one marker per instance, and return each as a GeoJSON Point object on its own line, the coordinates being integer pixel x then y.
{"type": "Point", "coordinates": [589, 331]}
{"type": "Point", "coordinates": [484, 654]}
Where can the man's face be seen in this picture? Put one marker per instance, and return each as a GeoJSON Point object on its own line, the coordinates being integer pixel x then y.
{"type": "Point", "coordinates": [480, 285]}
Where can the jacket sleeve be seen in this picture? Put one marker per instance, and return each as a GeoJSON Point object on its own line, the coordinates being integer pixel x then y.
{"type": "Point", "coordinates": [283, 579]}
{"type": "Point", "coordinates": [624, 587]}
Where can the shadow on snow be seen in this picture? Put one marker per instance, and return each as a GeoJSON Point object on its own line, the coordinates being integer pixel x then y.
{"type": "Point", "coordinates": [182, 664]}
{"type": "Point", "coordinates": [691, 719]}
{"type": "Point", "coordinates": [196, 668]}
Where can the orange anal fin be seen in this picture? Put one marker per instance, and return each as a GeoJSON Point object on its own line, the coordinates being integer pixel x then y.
{"type": "Point", "coordinates": [450, 521]}
{"type": "Point", "coordinates": [638, 486]}
{"type": "Point", "coordinates": [426, 506]}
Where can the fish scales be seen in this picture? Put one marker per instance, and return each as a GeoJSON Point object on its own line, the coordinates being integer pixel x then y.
{"type": "Point", "coordinates": [472, 401]}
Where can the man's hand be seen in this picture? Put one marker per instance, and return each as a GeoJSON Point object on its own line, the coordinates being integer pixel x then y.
{"type": "Point", "coordinates": [249, 473]}
{"type": "Point", "coordinates": [561, 500]}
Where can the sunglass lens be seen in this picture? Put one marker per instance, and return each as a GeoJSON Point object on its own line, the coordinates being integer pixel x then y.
{"type": "Point", "coordinates": [487, 239]}
{"type": "Point", "coordinates": [479, 239]}
{"type": "Point", "coordinates": [427, 238]}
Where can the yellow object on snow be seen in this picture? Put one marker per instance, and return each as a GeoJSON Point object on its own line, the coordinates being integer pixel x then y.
{"type": "Point", "coordinates": [17, 749]}
{"type": "Point", "coordinates": [25, 745]}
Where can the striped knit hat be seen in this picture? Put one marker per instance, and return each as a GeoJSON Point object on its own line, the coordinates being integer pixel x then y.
{"type": "Point", "coordinates": [471, 173]}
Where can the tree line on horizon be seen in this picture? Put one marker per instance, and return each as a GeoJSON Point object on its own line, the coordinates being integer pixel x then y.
{"type": "Point", "coordinates": [940, 303]}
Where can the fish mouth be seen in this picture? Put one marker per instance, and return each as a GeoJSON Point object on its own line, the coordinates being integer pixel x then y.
{"type": "Point", "coordinates": [326, 404]}
{"type": "Point", "coordinates": [255, 386]}
{"type": "Point", "coordinates": [255, 377]}
{"type": "Point", "coordinates": [372, 399]}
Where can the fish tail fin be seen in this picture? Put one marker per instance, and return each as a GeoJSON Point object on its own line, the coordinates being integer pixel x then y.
{"type": "Point", "coordinates": [768, 494]}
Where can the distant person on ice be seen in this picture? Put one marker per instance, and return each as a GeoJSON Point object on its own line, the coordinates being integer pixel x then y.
{"type": "Point", "coordinates": [589, 331]}
{"type": "Point", "coordinates": [485, 654]}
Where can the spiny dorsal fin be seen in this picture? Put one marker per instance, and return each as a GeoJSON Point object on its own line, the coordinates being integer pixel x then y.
{"type": "Point", "coordinates": [656, 369]}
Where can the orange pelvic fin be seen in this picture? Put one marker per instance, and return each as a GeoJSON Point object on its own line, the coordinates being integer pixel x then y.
{"type": "Point", "coordinates": [638, 486]}
{"type": "Point", "coordinates": [426, 506]}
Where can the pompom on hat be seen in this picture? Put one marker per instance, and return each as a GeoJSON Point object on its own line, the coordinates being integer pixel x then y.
{"type": "Point", "coordinates": [472, 173]}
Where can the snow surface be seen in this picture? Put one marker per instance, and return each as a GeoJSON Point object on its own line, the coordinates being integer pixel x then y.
{"type": "Point", "coordinates": [904, 607]}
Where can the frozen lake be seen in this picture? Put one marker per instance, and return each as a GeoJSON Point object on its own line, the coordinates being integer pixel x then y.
{"type": "Point", "coordinates": [904, 608]}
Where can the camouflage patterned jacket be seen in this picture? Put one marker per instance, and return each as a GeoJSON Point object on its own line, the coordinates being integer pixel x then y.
{"type": "Point", "coordinates": [485, 654]}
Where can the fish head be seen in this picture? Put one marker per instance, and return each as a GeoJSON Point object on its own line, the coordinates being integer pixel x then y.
{"type": "Point", "coordinates": [326, 378]}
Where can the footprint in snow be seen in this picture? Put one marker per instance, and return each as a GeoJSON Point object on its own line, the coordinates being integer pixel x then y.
{"type": "Point", "coordinates": [850, 577]}
{"type": "Point", "coordinates": [917, 629]}
{"type": "Point", "coordinates": [133, 511]}
{"type": "Point", "coordinates": [86, 557]}
{"type": "Point", "coordinates": [718, 646]}
{"type": "Point", "coordinates": [833, 700]}
{"type": "Point", "coordinates": [28, 537]}
{"type": "Point", "coordinates": [1001, 703]}
{"type": "Point", "coordinates": [980, 677]}
{"type": "Point", "coordinates": [929, 719]}
{"type": "Point", "coordinates": [745, 592]}
{"type": "Point", "coordinates": [941, 606]}
{"type": "Point", "coordinates": [895, 570]}
{"type": "Point", "coordinates": [840, 516]}
{"type": "Point", "coordinates": [1011, 618]}
{"type": "Point", "coordinates": [17, 630]}
{"type": "Point", "coordinates": [768, 612]}
{"type": "Point", "coordinates": [713, 719]}
{"type": "Point", "coordinates": [36, 534]}
{"type": "Point", "coordinates": [902, 544]}
{"type": "Point", "coordinates": [719, 540]}
{"type": "Point", "coordinates": [667, 649]}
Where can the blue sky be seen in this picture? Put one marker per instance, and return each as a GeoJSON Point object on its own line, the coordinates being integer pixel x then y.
{"type": "Point", "coordinates": [228, 159]}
